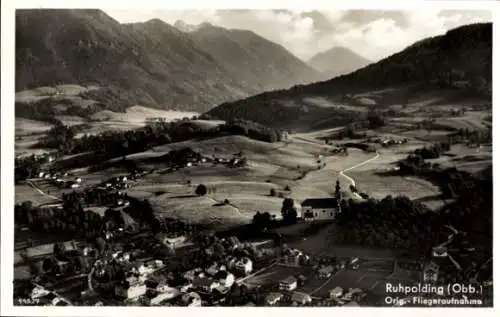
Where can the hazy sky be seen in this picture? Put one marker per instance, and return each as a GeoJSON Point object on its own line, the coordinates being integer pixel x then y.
{"type": "Point", "coordinates": [372, 34]}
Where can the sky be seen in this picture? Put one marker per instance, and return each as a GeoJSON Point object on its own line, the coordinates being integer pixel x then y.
{"type": "Point", "coordinates": [372, 34]}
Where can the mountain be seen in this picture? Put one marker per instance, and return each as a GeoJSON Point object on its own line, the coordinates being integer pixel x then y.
{"type": "Point", "coordinates": [260, 63]}
{"type": "Point", "coordinates": [337, 61]}
{"type": "Point", "coordinates": [455, 65]}
{"type": "Point", "coordinates": [184, 27]}
{"type": "Point", "coordinates": [150, 63]}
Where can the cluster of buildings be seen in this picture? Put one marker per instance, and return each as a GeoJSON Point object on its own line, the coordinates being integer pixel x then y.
{"type": "Point", "coordinates": [139, 286]}
{"type": "Point", "coordinates": [388, 141]}
{"type": "Point", "coordinates": [185, 158]}
{"type": "Point", "coordinates": [41, 296]}
{"type": "Point", "coordinates": [287, 294]}
{"type": "Point", "coordinates": [60, 179]}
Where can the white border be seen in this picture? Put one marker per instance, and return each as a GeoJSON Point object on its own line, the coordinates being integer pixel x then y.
{"type": "Point", "coordinates": [7, 132]}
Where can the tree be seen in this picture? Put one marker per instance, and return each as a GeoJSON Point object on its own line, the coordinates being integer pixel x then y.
{"type": "Point", "coordinates": [101, 245]}
{"type": "Point", "coordinates": [272, 192]}
{"type": "Point", "coordinates": [288, 211]}
{"type": "Point", "coordinates": [59, 249]}
{"type": "Point", "coordinates": [479, 83]}
{"type": "Point", "coordinates": [201, 190]}
{"type": "Point", "coordinates": [337, 189]}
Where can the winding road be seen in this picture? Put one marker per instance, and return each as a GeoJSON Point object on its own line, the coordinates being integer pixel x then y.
{"type": "Point", "coordinates": [350, 179]}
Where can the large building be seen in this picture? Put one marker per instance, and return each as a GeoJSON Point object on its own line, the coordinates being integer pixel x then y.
{"type": "Point", "coordinates": [320, 208]}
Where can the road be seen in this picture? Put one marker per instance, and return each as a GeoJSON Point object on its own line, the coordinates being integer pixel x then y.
{"type": "Point", "coordinates": [40, 191]}
{"type": "Point", "coordinates": [323, 284]}
{"type": "Point", "coordinates": [241, 280]}
{"type": "Point", "coordinates": [350, 179]}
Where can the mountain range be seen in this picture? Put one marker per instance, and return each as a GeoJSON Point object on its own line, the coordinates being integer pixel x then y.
{"type": "Point", "coordinates": [149, 63]}
{"type": "Point", "coordinates": [337, 61]}
{"type": "Point", "coordinates": [458, 62]}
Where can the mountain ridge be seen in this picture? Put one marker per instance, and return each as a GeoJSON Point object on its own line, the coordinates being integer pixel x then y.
{"type": "Point", "coordinates": [337, 61]}
{"type": "Point", "coordinates": [150, 63]}
{"type": "Point", "coordinates": [460, 61]}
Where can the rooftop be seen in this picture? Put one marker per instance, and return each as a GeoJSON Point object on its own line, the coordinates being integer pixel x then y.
{"type": "Point", "coordinates": [273, 296]}
{"type": "Point", "coordinates": [299, 296]}
{"type": "Point", "coordinates": [289, 280]}
{"type": "Point", "coordinates": [320, 202]}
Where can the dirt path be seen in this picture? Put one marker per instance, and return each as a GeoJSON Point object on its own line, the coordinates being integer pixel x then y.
{"type": "Point", "coordinates": [234, 206]}
{"type": "Point", "coordinates": [350, 179]}
{"type": "Point", "coordinates": [41, 192]}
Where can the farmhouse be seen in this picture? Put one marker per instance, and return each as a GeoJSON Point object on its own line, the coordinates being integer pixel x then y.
{"type": "Point", "coordinates": [225, 278]}
{"type": "Point", "coordinates": [325, 271]}
{"type": "Point", "coordinates": [173, 242]}
{"type": "Point", "coordinates": [292, 257]}
{"type": "Point", "coordinates": [301, 298]}
{"type": "Point", "coordinates": [273, 298]}
{"type": "Point", "coordinates": [244, 265]}
{"type": "Point", "coordinates": [336, 292]}
{"type": "Point", "coordinates": [320, 208]}
{"type": "Point", "coordinates": [206, 284]}
{"type": "Point", "coordinates": [130, 291]}
{"type": "Point", "coordinates": [288, 284]}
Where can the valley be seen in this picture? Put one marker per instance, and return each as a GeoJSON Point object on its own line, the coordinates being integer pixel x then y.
{"type": "Point", "coordinates": [182, 178]}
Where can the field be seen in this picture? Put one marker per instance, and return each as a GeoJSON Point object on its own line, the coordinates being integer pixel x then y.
{"type": "Point", "coordinates": [27, 126]}
{"type": "Point", "coordinates": [26, 192]}
{"type": "Point", "coordinates": [60, 91]}
{"type": "Point", "coordinates": [302, 163]}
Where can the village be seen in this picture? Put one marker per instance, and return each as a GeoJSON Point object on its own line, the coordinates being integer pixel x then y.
{"type": "Point", "coordinates": [113, 249]}
{"type": "Point", "coordinates": [123, 268]}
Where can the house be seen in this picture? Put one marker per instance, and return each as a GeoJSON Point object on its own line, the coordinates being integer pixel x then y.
{"type": "Point", "coordinates": [273, 298]}
{"type": "Point", "coordinates": [145, 269]}
{"type": "Point", "coordinates": [38, 292]}
{"type": "Point", "coordinates": [244, 265]}
{"type": "Point", "coordinates": [301, 279]}
{"type": "Point", "coordinates": [215, 268]}
{"type": "Point", "coordinates": [78, 180]}
{"type": "Point", "coordinates": [206, 284]}
{"type": "Point", "coordinates": [173, 242]}
{"type": "Point", "coordinates": [192, 299]}
{"type": "Point", "coordinates": [128, 290]}
{"type": "Point", "coordinates": [320, 208]}
{"type": "Point", "coordinates": [301, 298]}
{"type": "Point", "coordinates": [155, 264]}
{"type": "Point", "coordinates": [165, 294]}
{"type": "Point", "coordinates": [225, 278]}
{"type": "Point", "coordinates": [288, 284]}
{"type": "Point", "coordinates": [336, 292]}
{"type": "Point", "coordinates": [325, 272]}
{"type": "Point", "coordinates": [231, 262]}
{"type": "Point", "coordinates": [292, 257]}
{"type": "Point", "coordinates": [190, 275]}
